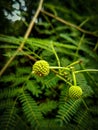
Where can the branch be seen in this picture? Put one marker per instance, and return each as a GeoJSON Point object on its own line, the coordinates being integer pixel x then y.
{"type": "Point", "coordinates": [29, 56]}
{"type": "Point", "coordinates": [25, 37]}
{"type": "Point", "coordinates": [68, 23]}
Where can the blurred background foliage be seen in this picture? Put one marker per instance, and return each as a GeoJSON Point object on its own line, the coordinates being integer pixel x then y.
{"type": "Point", "coordinates": [76, 12]}
{"type": "Point", "coordinates": [70, 45]}
{"type": "Point", "coordinates": [16, 14]}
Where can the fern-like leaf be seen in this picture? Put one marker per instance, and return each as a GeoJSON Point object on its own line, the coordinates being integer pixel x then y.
{"type": "Point", "coordinates": [33, 87]}
{"type": "Point", "coordinates": [21, 123]}
{"type": "Point", "coordinates": [83, 120]}
{"type": "Point", "coordinates": [67, 110]}
{"type": "Point", "coordinates": [50, 81]}
{"type": "Point", "coordinates": [47, 106]}
{"type": "Point", "coordinates": [87, 90]}
{"type": "Point", "coordinates": [6, 103]}
{"type": "Point", "coordinates": [9, 92]}
{"type": "Point", "coordinates": [31, 110]}
{"type": "Point", "coordinates": [8, 119]}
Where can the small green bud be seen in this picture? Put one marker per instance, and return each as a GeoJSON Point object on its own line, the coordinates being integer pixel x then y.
{"type": "Point", "coordinates": [41, 68]}
{"type": "Point", "coordinates": [75, 92]}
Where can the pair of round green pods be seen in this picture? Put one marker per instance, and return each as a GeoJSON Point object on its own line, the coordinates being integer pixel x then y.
{"type": "Point", "coordinates": [41, 68]}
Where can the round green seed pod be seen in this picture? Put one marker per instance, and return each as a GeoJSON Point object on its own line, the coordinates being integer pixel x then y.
{"type": "Point", "coordinates": [75, 92]}
{"type": "Point", "coordinates": [41, 68]}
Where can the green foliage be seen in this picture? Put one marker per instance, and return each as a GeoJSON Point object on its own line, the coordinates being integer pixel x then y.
{"type": "Point", "coordinates": [31, 110]}
{"type": "Point", "coordinates": [8, 119]}
{"type": "Point", "coordinates": [67, 110]}
{"type": "Point", "coordinates": [83, 120]}
{"type": "Point", "coordinates": [29, 101]}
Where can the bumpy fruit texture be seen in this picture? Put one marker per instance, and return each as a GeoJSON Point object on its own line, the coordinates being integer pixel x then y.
{"type": "Point", "coordinates": [75, 92]}
{"type": "Point", "coordinates": [41, 68]}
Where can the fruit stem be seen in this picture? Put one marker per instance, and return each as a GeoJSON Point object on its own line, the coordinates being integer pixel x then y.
{"type": "Point", "coordinates": [76, 62]}
{"type": "Point", "coordinates": [74, 76]}
{"type": "Point", "coordinates": [93, 70]}
{"type": "Point", "coordinates": [64, 80]}
{"type": "Point", "coordinates": [58, 61]}
{"type": "Point", "coordinates": [56, 67]}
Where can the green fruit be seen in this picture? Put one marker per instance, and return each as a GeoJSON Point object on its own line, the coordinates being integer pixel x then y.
{"type": "Point", "coordinates": [75, 92]}
{"type": "Point", "coordinates": [41, 68]}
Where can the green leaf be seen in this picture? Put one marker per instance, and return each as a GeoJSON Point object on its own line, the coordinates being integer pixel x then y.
{"type": "Point", "coordinates": [31, 109]}
{"type": "Point", "coordinates": [67, 110]}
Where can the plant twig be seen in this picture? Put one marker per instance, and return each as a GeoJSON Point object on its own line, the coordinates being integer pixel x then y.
{"type": "Point", "coordinates": [74, 63]}
{"type": "Point", "coordinates": [86, 70]}
{"type": "Point", "coordinates": [74, 76]}
{"type": "Point", "coordinates": [29, 56]}
{"type": "Point", "coordinates": [55, 54]}
{"type": "Point", "coordinates": [25, 37]}
{"type": "Point", "coordinates": [68, 23]}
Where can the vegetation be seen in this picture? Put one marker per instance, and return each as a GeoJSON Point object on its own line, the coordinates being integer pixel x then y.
{"type": "Point", "coordinates": [49, 75]}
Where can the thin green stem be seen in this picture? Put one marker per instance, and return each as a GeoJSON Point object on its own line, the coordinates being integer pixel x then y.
{"type": "Point", "coordinates": [88, 75]}
{"type": "Point", "coordinates": [86, 70]}
{"type": "Point", "coordinates": [56, 67]}
{"type": "Point", "coordinates": [86, 20]}
{"type": "Point", "coordinates": [85, 104]}
{"type": "Point", "coordinates": [74, 63]}
{"type": "Point", "coordinates": [55, 54]}
{"type": "Point", "coordinates": [74, 76]}
{"type": "Point", "coordinates": [64, 80]}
